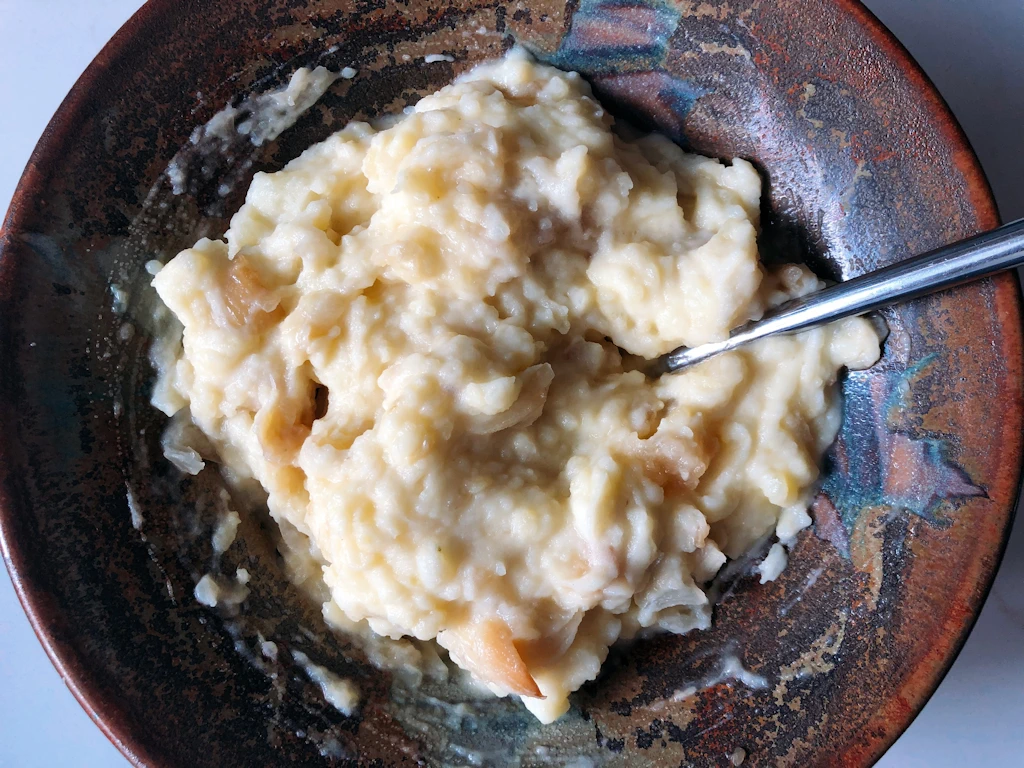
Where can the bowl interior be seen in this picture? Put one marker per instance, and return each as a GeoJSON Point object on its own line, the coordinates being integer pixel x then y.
{"type": "Point", "coordinates": [106, 540]}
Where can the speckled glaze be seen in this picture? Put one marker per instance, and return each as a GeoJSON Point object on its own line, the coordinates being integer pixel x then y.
{"type": "Point", "coordinates": [864, 166]}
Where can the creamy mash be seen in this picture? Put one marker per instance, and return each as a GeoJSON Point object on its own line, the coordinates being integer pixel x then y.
{"type": "Point", "coordinates": [423, 341]}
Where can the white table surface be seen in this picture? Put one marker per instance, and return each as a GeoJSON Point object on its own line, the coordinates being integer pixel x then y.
{"type": "Point", "coordinates": [970, 48]}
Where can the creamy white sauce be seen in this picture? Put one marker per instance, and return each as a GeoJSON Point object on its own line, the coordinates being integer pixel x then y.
{"type": "Point", "coordinates": [729, 669]}
{"type": "Point", "coordinates": [773, 564]}
{"type": "Point", "coordinates": [340, 692]}
{"type": "Point", "coordinates": [269, 649]}
{"type": "Point", "coordinates": [134, 510]}
{"type": "Point", "coordinates": [215, 591]}
{"type": "Point", "coordinates": [261, 118]}
{"type": "Point", "coordinates": [225, 532]}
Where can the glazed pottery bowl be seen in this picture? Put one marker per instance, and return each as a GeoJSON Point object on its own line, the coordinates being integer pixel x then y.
{"type": "Point", "coordinates": [864, 166]}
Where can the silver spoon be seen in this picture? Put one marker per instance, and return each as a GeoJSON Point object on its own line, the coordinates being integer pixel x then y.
{"type": "Point", "coordinates": [945, 267]}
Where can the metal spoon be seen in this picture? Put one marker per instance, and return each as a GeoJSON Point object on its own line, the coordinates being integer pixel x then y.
{"type": "Point", "coordinates": [955, 264]}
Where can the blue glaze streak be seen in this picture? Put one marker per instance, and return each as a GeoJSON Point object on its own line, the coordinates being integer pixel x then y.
{"type": "Point", "coordinates": [615, 36]}
{"type": "Point", "coordinates": [680, 96]}
{"type": "Point", "coordinates": [855, 480]}
{"type": "Point", "coordinates": [881, 465]}
{"type": "Point", "coordinates": [897, 400]}
{"type": "Point", "coordinates": [621, 47]}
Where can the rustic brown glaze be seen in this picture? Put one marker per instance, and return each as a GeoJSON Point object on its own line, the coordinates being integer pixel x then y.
{"type": "Point", "coordinates": [864, 166]}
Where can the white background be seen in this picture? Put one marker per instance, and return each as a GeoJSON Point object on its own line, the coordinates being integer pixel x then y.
{"type": "Point", "coordinates": [970, 48]}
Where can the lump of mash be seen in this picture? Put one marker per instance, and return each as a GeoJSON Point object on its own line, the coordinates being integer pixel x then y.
{"type": "Point", "coordinates": [421, 341]}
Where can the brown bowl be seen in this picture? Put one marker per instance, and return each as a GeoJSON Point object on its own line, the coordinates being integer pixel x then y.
{"type": "Point", "coordinates": [865, 166]}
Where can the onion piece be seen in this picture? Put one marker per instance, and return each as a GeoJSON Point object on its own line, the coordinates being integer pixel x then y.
{"type": "Point", "coordinates": [536, 380]}
{"type": "Point", "coordinates": [487, 650]}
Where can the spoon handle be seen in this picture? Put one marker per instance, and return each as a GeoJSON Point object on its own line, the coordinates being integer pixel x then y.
{"type": "Point", "coordinates": [961, 262]}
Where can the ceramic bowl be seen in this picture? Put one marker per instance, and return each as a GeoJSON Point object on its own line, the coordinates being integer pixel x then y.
{"type": "Point", "coordinates": [864, 166]}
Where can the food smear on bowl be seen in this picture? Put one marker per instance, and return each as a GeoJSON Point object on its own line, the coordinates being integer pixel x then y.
{"type": "Point", "coordinates": [425, 342]}
{"type": "Point", "coordinates": [340, 692]}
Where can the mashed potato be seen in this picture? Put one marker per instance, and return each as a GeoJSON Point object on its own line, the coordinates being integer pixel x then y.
{"type": "Point", "coordinates": [424, 340]}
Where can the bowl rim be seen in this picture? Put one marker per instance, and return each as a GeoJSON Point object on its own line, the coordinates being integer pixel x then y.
{"type": "Point", "coordinates": [45, 156]}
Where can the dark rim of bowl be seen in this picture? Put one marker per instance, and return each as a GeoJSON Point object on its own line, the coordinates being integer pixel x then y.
{"type": "Point", "coordinates": [44, 157]}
